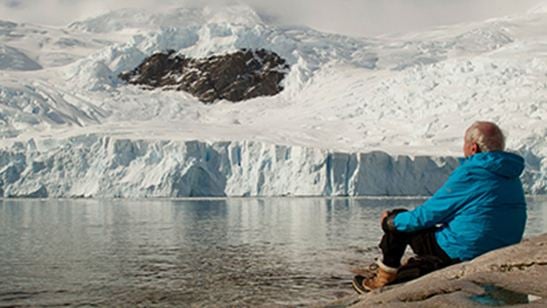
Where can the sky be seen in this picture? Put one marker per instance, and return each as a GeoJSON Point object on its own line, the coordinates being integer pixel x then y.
{"type": "Point", "coordinates": [350, 17]}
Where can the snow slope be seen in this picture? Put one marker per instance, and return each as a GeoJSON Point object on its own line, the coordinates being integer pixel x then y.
{"type": "Point", "coordinates": [358, 116]}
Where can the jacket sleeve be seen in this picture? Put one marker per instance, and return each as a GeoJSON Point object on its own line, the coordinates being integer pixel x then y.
{"type": "Point", "coordinates": [440, 208]}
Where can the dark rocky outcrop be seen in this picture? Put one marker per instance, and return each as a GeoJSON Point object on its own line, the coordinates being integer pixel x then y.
{"type": "Point", "coordinates": [235, 77]}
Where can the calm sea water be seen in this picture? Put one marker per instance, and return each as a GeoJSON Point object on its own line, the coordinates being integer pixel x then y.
{"type": "Point", "coordinates": [191, 252]}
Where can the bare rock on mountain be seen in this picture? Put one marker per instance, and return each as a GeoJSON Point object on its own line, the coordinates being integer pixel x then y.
{"type": "Point", "coordinates": [235, 77]}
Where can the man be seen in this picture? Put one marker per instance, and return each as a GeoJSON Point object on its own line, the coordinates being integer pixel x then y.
{"type": "Point", "coordinates": [481, 207]}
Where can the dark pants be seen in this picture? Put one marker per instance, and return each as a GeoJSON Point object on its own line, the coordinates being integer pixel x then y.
{"type": "Point", "coordinates": [423, 244]}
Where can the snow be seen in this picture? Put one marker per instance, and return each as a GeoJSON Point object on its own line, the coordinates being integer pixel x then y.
{"type": "Point", "coordinates": [541, 8]}
{"type": "Point", "coordinates": [374, 116]}
{"type": "Point", "coordinates": [13, 59]}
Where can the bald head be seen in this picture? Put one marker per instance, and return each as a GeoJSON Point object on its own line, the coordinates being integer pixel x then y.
{"type": "Point", "coordinates": [486, 135]}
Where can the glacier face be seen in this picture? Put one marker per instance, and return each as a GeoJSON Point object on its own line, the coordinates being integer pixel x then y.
{"type": "Point", "coordinates": [103, 166]}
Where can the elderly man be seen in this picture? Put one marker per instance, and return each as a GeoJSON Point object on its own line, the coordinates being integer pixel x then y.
{"type": "Point", "coordinates": [481, 207]}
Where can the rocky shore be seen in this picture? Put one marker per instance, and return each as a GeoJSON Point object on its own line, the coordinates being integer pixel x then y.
{"type": "Point", "coordinates": [511, 276]}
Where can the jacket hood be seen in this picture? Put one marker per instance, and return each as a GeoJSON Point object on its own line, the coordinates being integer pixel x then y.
{"type": "Point", "coordinates": [505, 164]}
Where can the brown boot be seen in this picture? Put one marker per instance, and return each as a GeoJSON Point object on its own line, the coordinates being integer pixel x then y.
{"type": "Point", "coordinates": [384, 276]}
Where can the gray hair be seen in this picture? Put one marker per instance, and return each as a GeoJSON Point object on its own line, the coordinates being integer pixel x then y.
{"type": "Point", "coordinates": [487, 135]}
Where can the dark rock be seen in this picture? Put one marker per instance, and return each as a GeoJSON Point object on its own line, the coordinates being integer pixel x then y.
{"type": "Point", "coordinates": [235, 77]}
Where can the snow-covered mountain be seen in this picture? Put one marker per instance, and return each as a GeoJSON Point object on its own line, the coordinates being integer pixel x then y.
{"type": "Point", "coordinates": [357, 116]}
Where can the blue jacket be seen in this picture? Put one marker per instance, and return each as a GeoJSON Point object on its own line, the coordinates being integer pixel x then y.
{"type": "Point", "coordinates": [481, 207]}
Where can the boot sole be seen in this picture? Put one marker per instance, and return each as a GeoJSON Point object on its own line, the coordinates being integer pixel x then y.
{"type": "Point", "coordinates": [357, 284]}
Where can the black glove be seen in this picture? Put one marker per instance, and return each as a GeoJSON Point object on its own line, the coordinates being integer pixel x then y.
{"type": "Point", "coordinates": [388, 225]}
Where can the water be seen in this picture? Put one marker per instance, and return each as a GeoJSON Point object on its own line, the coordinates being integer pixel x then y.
{"type": "Point", "coordinates": [498, 296]}
{"type": "Point", "coordinates": [192, 252]}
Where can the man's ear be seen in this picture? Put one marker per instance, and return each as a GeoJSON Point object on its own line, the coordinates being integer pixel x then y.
{"type": "Point", "coordinates": [475, 148]}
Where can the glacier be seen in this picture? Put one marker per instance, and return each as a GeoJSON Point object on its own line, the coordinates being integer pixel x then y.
{"type": "Point", "coordinates": [106, 167]}
{"type": "Point", "coordinates": [358, 116]}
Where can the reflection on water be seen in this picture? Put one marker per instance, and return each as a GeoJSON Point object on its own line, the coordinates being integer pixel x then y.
{"type": "Point", "coordinates": [169, 252]}
{"type": "Point", "coordinates": [497, 296]}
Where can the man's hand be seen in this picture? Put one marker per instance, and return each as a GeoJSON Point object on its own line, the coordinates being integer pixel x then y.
{"type": "Point", "coordinates": [387, 220]}
{"type": "Point", "coordinates": [383, 216]}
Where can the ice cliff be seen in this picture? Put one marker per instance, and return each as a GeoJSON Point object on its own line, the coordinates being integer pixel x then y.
{"type": "Point", "coordinates": [93, 166]}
